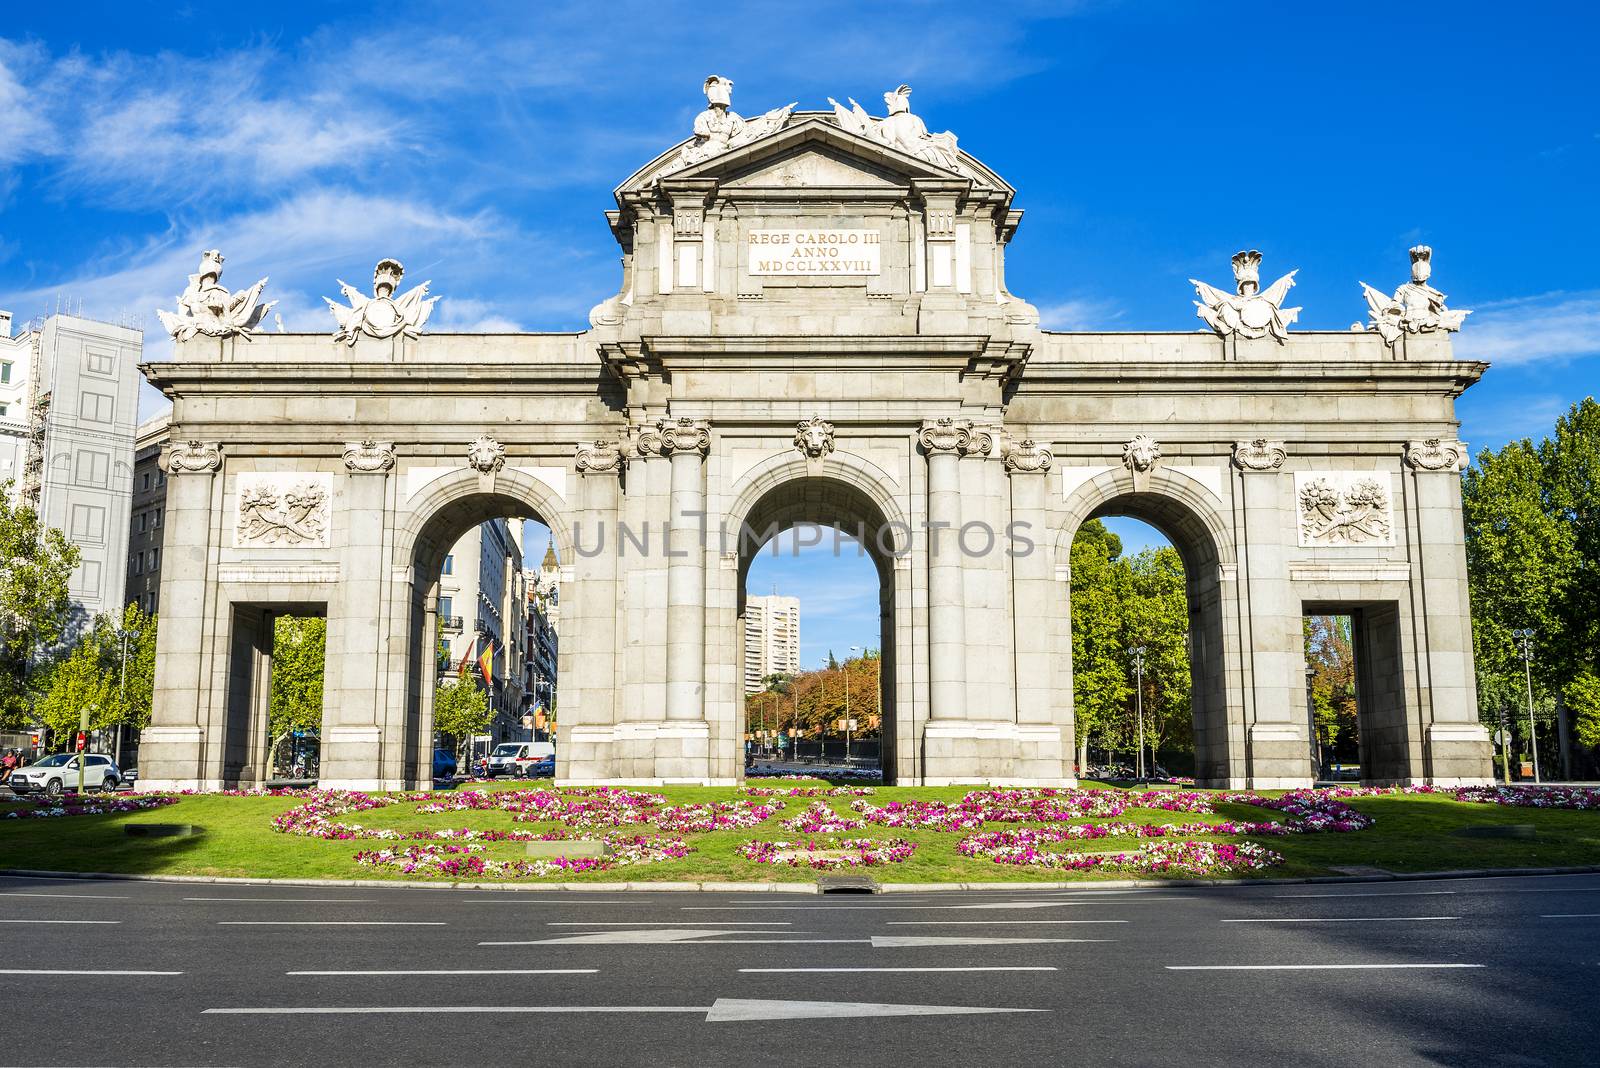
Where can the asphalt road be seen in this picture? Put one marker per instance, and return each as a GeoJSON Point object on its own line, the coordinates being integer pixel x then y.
{"type": "Point", "coordinates": [1461, 972]}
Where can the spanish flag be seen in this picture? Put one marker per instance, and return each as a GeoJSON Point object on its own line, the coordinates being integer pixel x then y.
{"type": "Point", "coordinates": [486, 663]}
{"type": "Point", "coordinates": [466, 658]}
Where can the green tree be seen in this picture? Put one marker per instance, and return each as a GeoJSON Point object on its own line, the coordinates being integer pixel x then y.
{"type": "Point", "coordinates": [130, 668]}
{"type": "Point", "coordinates": [1102, 687]}
{"type": "Point", "coordinates": [1583, 698]}
{"type": "Point", "coordinates": [1155, 614]}
{"type": "Point", "coordinates": [299, 647]}
{"type": "Point", "coordinates": [35, 564]}
{"type": "Point", "coordinates": [460, 710]}
{"type": "Point", "coordinates": [1330, 654]}
{"type": "Point", "coordinates": [1571, 496]}
{"type": "Point", "coordinates": [74, 683]}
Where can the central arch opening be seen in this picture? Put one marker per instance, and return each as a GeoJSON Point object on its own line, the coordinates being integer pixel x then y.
{"type": "Point", "coordinates": [483, 685]}
{"type": "Point", "coordinates": [819, 541]}
{"type": "Point", "coordinates": [1148, 641]}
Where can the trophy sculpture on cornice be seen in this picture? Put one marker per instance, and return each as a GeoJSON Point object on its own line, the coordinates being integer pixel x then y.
{"type": "Point", "coordinates": [900, 129]}
{"type": "Point", "coordinates": [719, 128]}
{"type": "Point", "coordinates": [1415, 308]}
{"type": "Point", "coordinates": [208, 308]}
{"type": "Point", "coordinates": [382, 315]}
{"type": "Point", "coordinates": [1251, 311]}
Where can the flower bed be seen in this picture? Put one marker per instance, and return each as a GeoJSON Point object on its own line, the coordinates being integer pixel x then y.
{"type": "Point", "coordinates": [820, 819]}
{"type": "Point", "coordinates": [830, 853]}
{"type": "Point", "coordinates": [1161, 857]}
{"type": "Point", "coordinates": [468, 860]}
{"type": "Point", "coordinates": [87, 806]}
{"type": "Point", "coordinates": [808, 791]}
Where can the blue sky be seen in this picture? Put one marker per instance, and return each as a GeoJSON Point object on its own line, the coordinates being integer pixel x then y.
{"type": "Point", "coordinates": [1148, 142]}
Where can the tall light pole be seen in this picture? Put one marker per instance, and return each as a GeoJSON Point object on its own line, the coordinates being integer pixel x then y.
{"type": "Point", "coordinates": [847, 722]}
{"type": "Point", "coordinates": [1311, 718]}
{"type": "Point", "coordinates": [1137, 653]}
{"type": "Point", "coordinates": [123, 634]}
{"type": "Point", "coordinates": [1524, 638]}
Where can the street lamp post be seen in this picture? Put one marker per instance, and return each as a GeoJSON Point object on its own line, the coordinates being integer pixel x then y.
{"type": "Point", "coordinates": [1137, 652]}
{"type": "Point", "coordinates": [1524, 638]}
{"type": "Point", "coordinates": [1311, 718]}
{"type": "Point", "coordinates": [123, 634]}
{"type": "Point", "coordinates": [853, 649]}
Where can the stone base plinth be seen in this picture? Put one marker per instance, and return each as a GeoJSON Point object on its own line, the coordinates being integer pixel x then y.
{"type": "Point", "coordinates": [1279, 757]}
{"type": "Point", "coordinates": [659, 753]}
{"type": "Point", "coordinates": [1460, 754]}
{"type": "Point", "coordinates": [994, 753]}
{"type": "Point", "coordinates": [349, 757]}
{"type": "Point", "coordinates": [170, 759]}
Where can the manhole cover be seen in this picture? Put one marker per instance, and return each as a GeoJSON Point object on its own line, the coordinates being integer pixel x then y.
{"type": "Point", "coordinates": [847, 884]}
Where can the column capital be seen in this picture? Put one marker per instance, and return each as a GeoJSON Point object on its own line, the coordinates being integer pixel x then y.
{"type": "Point", "coordinates": [946, 435]}
{"type": "Point", "coordinates": [600, 457]}
{"type": "Point", "coordinates": [369, 457]}
{"type": "Point", "coordinates": [192, 457]}
{"type": "Point", "coordinates": [1436, 454]}
{"type": "Point", "coordinates": [681, 435]}
{"type": "Point", "coordinates": [1259, 454]}
{"type": "Point", "coordinates": [1027, 457]}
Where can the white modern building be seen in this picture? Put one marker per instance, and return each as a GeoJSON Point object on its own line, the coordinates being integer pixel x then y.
{"type": "Point", "coordinates": [771, 639]}
{"type": "Point", "coordinates": [69, 394]}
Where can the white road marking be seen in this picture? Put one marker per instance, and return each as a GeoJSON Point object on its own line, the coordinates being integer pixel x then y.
{"type": "Point", "coordinates": [292, 900]}
{"type": "Point", "coordinates": [1302, 967]}
{"type": "Point", "coordinates": [1546, 890]}
{"type": "Point", "coordinates": [723, 1010]}
{"type": "Point", "coordinates": [904, 941]}
{"type": "Point", "coordinates": [512, 899]}
{"type": "Point", "coordinates": [666, 923]}
{"type": "Point", "coordinates": [884, 908]}
{"type": "Point", "coordinates": [654, 936]}
{"type": "Point", "coordinates": [1346, 919]}
{"type": "Point", "coordinates": [985, 923]}
{"type": "Point", "coordinates": [975, 968]}
{"type": "Point", "coordinates": [89, 897]}
{"type": "Point", "coordinates": [1569, 915]}
{"type": "Point", "coordinates": [1402, 893]}
{"type": "Point", "coordinates": [73, 971]}
{"type": "Point", "coordinates": [464, 971]}
{"type": "Point", "coordinates": [331, 923]}
{"type": "Point", "coordinates": [63, 921]}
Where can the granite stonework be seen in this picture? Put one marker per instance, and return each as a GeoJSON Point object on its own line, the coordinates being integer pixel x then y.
{"type": "Point", "coordinates": [813, 326]}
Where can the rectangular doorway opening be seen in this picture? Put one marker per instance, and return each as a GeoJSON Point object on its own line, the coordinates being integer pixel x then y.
{"type": "Point", "coordinates": [1355, 693]}
{"type": "Point", "coordinates": [274, 693]}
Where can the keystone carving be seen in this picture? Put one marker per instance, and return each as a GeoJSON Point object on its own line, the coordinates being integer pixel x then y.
{"type": "Point", "coordinates": [486, 455]}
{"type": "Point", "coordinates": [599, 457]}
{"type": "Point", "coordinates": [1260, 454]}
{"type": "Point", "coordinates": [814, 437]}
{"type": "Point", "coordinates": [1028, 458]}
{"type": "Point", "coordinates": [1434, 454]}
{"type": "Point", "coordinates": [194, 457]}
{"type": "Point", "coordinates": [684, 435]}
{"type": "Point", "coordinates": [1141, 454]}
{"type": "Point", "coordinates": [369, 457]}
{"type": "Point", "coordinates": [946, 435]}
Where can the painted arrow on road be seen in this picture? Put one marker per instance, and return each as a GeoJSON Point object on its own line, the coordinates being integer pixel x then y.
{"type": "Point", "coordinates": [723, 1010]}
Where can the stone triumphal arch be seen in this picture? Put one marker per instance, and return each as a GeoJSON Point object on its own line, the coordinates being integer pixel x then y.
{"type": "Point", "coordinates": [813, 325]}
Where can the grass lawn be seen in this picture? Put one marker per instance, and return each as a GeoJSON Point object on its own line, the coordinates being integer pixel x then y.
{"type": "Point", "coordinates": [1412, 833]}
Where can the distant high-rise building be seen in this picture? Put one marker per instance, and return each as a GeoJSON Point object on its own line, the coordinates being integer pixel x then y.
{"type": "Point", "coordinates": [148, 516]}
{"type": "Point", "coordinates": [69, 404]}
{"type": "Point", "coordinates": [771, 639]}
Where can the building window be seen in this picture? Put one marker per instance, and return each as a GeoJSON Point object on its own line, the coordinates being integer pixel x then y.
{"type": "Point", "coordinates": [155, 559]}
{"type": "Point", "coordinates": [86, 580]}
{"type": "Point", "coordinates": [102, 363]}
{"type": "Point", "coordinates": [93, 468]}
{"type": "Point", "coordinates": [2, 411]}
{"type": "Point", "coordinates": [5, 373]}
{"type": "Point", "coordinates": [450, 564]}
{"type": "Point", "coordinates": [157, 522]}
{"type": "Point", "coordinates": [138, 563]}
{"type": "Point", "coordinates": [146, 486]}
{"type": "Point", "coordinates": [96, 407]}
{"type": "Point", "coordinates": [161, 478]}
{"type": "Point", "coordinates": [144, 517]}
{"type": "Point", "coordinates": [445, 606]}
{"type": "Point", "coordinates": [88, 523]}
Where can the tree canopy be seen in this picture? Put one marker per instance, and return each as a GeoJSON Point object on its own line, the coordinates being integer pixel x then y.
{"type": "Point", "coordinates": [461, 709]}
{"type": "Point", "coordinates": [36, 563]}
{"type": "Point", "coordinates": [299, 646]}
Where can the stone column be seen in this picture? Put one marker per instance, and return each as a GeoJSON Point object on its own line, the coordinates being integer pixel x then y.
{"type": "Point", "coordinates": [1279, 734]}
{"type": "Point", "coordinates": [589, 649]}
{"type": "Point", "coordinates": [1044, 722]}
{"type": "Point", "coordinates": [173, 749]}
{"type": "Point", "coordinates": [1457, 749]}
{"type": "Point", "coordinates": [683, 751]}
{"type": "Point", "coordinates": [361, 748]}
{"type": "Point", "coordinates": [944, 440]}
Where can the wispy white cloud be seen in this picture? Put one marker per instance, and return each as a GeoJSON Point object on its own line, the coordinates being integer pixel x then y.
{"type": "Point", "coordinates": [1078, 314]}
{"type": "Point", "coordinates": [1550, 327]}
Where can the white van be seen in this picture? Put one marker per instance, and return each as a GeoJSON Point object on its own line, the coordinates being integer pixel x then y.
{"type": "Point", "coordinates": [522, 759]}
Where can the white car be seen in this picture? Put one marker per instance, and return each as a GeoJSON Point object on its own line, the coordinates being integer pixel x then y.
{"type": "Point", "coordinates": [58, 773]}
{"type": "Point", "coordinates": [522, 759]}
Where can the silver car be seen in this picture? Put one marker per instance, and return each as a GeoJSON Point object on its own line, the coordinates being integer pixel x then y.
{"type": "Point", "coordinates": [59, 772]}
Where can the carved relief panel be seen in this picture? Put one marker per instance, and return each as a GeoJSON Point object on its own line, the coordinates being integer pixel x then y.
{"type": "Point", "coordinates": [283, 509]}
{"type": "Point", "coordinates": [1344, 508]}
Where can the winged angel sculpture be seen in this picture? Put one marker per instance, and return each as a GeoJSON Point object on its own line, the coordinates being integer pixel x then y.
{"type": "Point", "coordinates": [1415, 308]}
{"type": "Point", "coordinates": [900, 129]}
{"type": "Point", "coordinates": [1251, 312]}
{"type": "Point", "coordinates": [206, 307]}
{"type": "Point", "coordinates": [383, 315]}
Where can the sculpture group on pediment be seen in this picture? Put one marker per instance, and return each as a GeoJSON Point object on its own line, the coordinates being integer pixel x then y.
{"type": "Point", "coordinates": [206, 307]}
{"type": "Point", "coordinates": [720, 129]}
{"type": "Point", "coordinates": [1415, 308]}
{"type": "Point", "coordinates": [1249, 311]}
{"type": "Point", "coordinates": [900, 129]}
{"type": "Point", "coordinates": [382, 315]}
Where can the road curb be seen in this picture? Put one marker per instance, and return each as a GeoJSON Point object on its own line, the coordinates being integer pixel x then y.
{"type": "Point", "coordinates": [808, 888]}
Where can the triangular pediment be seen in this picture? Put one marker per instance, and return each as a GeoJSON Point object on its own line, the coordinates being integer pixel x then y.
{"type": "Point", "coordinates": [811, 151]}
